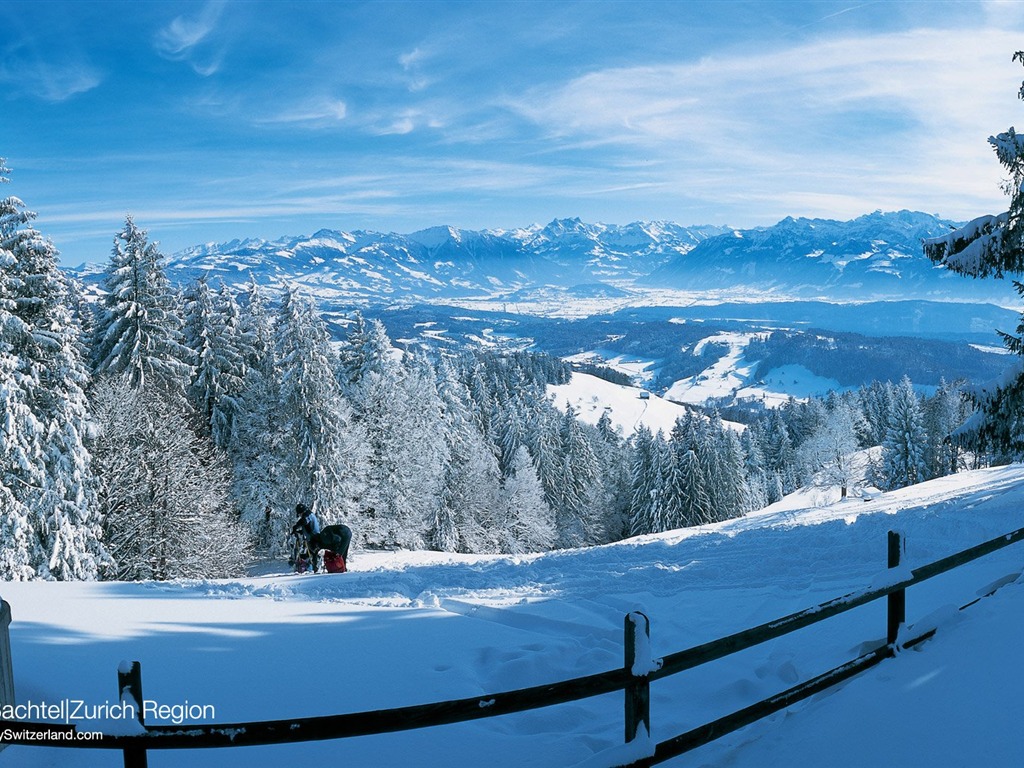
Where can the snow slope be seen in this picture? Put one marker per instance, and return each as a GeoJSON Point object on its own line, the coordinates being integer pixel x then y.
{"type": "Point", "coordinates": [732, 376]}
{"type": "Point", "coordinates": [406, 628]}
{"type": "Point", "coordinates": [591, 396]}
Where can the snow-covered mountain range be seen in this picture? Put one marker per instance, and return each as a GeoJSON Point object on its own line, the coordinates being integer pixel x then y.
{"type": "Point", "coordinates": [874, 257]}
{"type": "Point", "coordinates": [445, 262]}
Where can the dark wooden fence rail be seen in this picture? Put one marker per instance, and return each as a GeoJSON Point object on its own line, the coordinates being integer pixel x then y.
{"type": "Point", "coordinates": [633, 678]}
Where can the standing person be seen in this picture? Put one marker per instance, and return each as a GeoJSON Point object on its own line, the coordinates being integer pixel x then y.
{"type": "Point", "coordinates": [306, 530]}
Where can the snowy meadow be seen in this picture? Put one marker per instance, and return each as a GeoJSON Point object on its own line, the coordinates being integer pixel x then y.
{"type": "Point", "coordinates": [414, 627]}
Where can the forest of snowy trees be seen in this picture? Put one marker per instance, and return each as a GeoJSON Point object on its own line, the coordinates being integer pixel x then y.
{"type": "Point", "coordinates": [160, 433]}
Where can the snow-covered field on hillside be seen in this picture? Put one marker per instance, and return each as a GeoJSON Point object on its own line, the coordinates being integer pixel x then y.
{"type": "Point", "coordinates": [405, 628]}
{"type": "Point", "coordinates": [733, 376]}
{"type": "Point", "coordinates": [592, 396]}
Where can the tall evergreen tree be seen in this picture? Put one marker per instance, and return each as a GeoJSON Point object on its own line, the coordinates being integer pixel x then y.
{"type": "Point", "coordinates": [578, 483]}
{"type": "Point", "coordinates": [994, 245]}
{"type": "Point", "coordinates": [256, 446]}
{"type": "Point", "coordinates": [613, 454]}
{"type": "Point", "coordinates": [905, 445]}
{"type": "Point", "coordinates": [51, 526]}
{"type": "Point", "coordinates": [320, 451]}
{"type": "Point", "coordinates": [756, 479]}
{"type": "Point", "coordinates": [211, 333]}
{"type": "Point", "coordinates": [694, 504]}
{"type": "Point", "coordinates": [137, 331]}
{"type": "Point", "coordinates": [528, 523]}
{"type": "Point", "coordinates": [647, 481]}
{"type": "Point", "coordinates": [944, 412]}
{"type": "Point", "coordinates": [467, 517]}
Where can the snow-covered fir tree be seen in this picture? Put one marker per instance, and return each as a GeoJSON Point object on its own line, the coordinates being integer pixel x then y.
{"type": "Point", "coordinates": [651, 459]}
{"type": "Point", "coordinates": [613, 457]}
{"type": "Point", "coordinates": [51, 526]}
{"type": "Point", "coordinates": [779, 457]}
{"type": "Point", "coordinates": [905, 447]}
{"type": "Point", "coordinates": [690, 488]}
{"type": "Point", "coordinates": [137, 330]}
{"type": "Point", "coordinates": [211, 333]}
{"type": "Point", "coordinates": [756, 479]}
{"type": "Point", "coordinates": [320, 450]}
{"type": "Point", "coordinates": [257, 461]}
{"type": "Point", "coordinates": [387, 395]}
{"type": "Point", "coordinates": [994, 245]}
{"type": "Point", "coordinates": [944, 413]}
{"type": "Point", "coordinates": [527, 523]}
{"type": "Point", "coordinates": [578, 484]}
{"type": "Point", "coordinates": [468, 516]}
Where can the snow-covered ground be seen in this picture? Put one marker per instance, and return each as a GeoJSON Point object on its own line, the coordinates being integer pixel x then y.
{"type": "Point", "coordinates": [732, 376]}
{"type": "Point", "coordinates": [407, 628]}
{"type": "Point", "coordinates": [592, 396]}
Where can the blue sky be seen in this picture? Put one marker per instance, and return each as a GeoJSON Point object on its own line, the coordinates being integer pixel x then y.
{"type": "Point", "coordinates": [215, 120]}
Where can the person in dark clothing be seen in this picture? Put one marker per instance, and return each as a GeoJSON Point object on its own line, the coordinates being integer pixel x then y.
{"type": "Point", "coordinates": [305, 530]}
{"type": "Point", "coordinates": [334, 538]}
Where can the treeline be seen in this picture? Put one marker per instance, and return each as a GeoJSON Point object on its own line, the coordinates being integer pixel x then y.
{"type": "Point", "coordinates": [704, 472]}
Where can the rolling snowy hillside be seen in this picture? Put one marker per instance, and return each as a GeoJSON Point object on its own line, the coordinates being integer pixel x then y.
{"type": "Point", "coordinates": [405, 628]}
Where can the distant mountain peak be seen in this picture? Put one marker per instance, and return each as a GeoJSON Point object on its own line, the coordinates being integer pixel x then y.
{"type": "Point", "coordinates": [434, 236]}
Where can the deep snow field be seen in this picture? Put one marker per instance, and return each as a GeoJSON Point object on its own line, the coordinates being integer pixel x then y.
{"type": "Point", "coordinates": [409, 627]}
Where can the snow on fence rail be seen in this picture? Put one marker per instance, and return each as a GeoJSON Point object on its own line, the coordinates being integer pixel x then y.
{"type": "Point", "coordinates": [633, 678]}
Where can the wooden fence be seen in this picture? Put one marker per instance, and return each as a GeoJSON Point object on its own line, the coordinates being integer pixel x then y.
{"type": "Point", "coordinates": [633, 678]}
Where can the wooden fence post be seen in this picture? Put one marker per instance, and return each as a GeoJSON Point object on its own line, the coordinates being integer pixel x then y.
{"type": "Point", "coordinates": [129, 686]}
{"type": "Point", "coordinates": [638, 666]}
{"type": "Point", "coordinates": [6, 666]}
{"type": "Point", "coordinates": [897, 601]}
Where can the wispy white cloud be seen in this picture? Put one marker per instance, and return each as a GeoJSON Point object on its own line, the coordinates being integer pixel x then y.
{"type": "Point", "coordinates": [834, 115]}
{"type": "Point", "coordinates": [49, 80]}
{"type": "Point", "coordinates": [181, 39]}
{"type": "Point", "coordinates": [412, 65]}
{"type": "Point", "coordinates": [317, 111]}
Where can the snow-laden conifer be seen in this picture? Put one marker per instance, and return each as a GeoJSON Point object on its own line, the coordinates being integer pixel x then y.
{"type": "Point", "coordinates": [905, 447]}
{"type": "Point", "coordinates": [137, 331]}
{"type": "Point", "coordinates": [211, 333]}
{"type": "Point", "coordinates": [51, 521]}
{"type": "Point", "coordinates": [994, 245]}
{"type": "Point", "coordinates": [320, 453]}
{"type": "Point", "coordinates": [528, 523]}
{"type": "Point", "coordinates": [468, 518]}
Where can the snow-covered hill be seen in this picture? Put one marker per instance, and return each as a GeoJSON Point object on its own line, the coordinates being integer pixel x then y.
{"type": "Point", "coordinates": [405, 628]}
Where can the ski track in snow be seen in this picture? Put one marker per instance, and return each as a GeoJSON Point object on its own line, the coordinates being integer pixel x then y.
{"type": "Point", "coordinates": [411, 627]}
